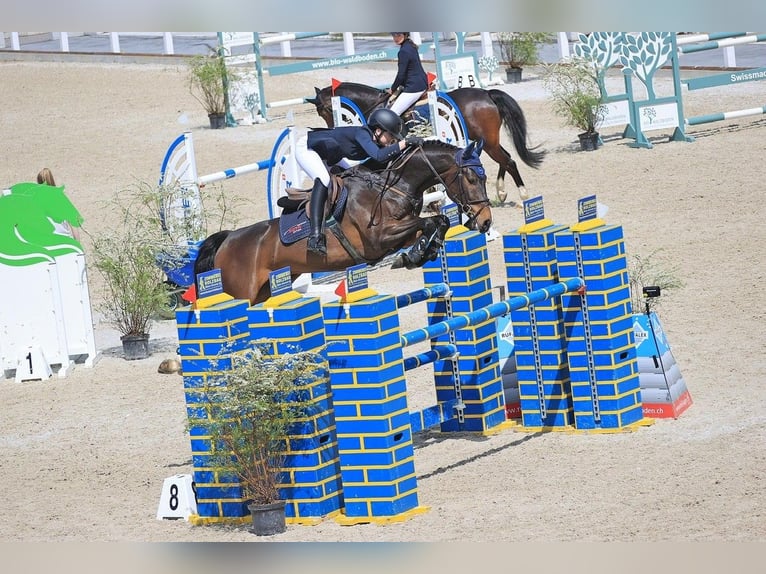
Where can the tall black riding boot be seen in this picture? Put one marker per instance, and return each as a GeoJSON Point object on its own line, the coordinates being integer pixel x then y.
{"type": "Point", "coordinates": [316, 242]}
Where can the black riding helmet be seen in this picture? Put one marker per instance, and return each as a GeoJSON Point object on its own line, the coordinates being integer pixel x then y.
{"type": "Point", "coordinates": [386, 120]}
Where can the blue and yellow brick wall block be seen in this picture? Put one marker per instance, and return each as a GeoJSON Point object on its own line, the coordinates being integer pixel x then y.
{"type": "Point", "coordinates": [467, 272]}
{"type": "Point", "coordinates": [601, 347]}
{"type": "Point", "coordinates": [312, 479]}
{"type": "Point", "coordinates": [538, 331]}
{"type": "Point", "coordinates": [371, 413]}
{"type": "Point", "coordinates": [208, 337]}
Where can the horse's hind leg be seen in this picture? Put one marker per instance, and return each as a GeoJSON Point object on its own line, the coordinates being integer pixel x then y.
{"type": "Point", "coordinates": [506, 163]}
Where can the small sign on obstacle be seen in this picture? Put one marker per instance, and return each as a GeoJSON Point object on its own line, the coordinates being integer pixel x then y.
{"type": "Point", "coordinates": [452, 213]}
{"type": "Point", "coordinates": [210, 289]}
{"type": "Point", "coordinates": [356, 278]}
{"type": "Point", "coordinates": [178, 498]}
{"type": "Point", "coordinates": [355, 287]}
{"type": "Point", "coordinates": [534, 209]}
{"type": "Point", "coordinates": [280, 281]}
{"type": "Point", "coordinates": [587, 208]}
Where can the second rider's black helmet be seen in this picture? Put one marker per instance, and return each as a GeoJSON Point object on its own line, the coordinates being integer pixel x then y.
{"type": "Point", "coordinates": [387, 120]}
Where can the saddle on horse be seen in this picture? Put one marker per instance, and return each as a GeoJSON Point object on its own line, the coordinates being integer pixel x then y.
{"type": "Point", "coordinates": [294, 220]}
{"type": "Point", "coordinates": [297, 199]}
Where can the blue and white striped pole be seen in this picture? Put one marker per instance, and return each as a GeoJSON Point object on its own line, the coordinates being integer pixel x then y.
{"type": "Point", "coordinates": [489, 312]}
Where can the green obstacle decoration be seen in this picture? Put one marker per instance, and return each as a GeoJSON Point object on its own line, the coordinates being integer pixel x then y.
{"type": "Point", "coordinates": [31, 218]}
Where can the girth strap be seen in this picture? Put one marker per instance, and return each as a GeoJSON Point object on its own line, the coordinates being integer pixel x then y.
{"type": "Point", "coordinates": [332, 225]}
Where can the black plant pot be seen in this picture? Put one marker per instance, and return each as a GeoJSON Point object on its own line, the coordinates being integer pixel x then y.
{"type": "Point", "coordinates": [588, 141]}
{"type": "Point", "coordinates": [217, 121]}
{"type": "Point", "coordinates": [513, 75]}
{"type": "Point", "coordinates": [135, 346]}
{"type": "Point", "coordinates": [268, 519]}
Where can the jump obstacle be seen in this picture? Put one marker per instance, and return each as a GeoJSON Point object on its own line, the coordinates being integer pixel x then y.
{"type": "Point", "coordinates": [641, 56]}
{"type": "Point", "coordinates": [354, 460]}
{"type": "Point", "coordinates": [46, 317]}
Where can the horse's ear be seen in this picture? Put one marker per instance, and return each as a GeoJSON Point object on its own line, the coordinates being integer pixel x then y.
{"type": "Point", "coordinates": [318, 91]}
{"type": "Point", "coordinates": [468, 152]}
{"type": "Point", "coordinates": [314, 101]}
{"type": "Point", "coordinates": [479, 146]}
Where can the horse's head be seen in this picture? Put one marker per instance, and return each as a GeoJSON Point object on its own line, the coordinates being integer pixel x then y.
{"type": "Point", "coordinates": [468, 188]}
{"type": "Point", "coordinates": [366, 98]}
{"type": "Point", "coordinates": [323, 103]}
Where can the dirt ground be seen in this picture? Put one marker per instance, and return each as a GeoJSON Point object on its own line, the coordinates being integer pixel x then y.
{"type": "Point", "coordinates": [85, 456]}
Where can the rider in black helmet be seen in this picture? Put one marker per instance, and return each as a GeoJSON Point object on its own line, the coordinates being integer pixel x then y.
{"type": "Point", "coordinates": [381, 140]}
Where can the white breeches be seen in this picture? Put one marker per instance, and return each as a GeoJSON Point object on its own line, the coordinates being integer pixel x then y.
{"type": "Point", "coordinates": [404, 101]}
{"type": "Point", "coordinates": [310, 162]}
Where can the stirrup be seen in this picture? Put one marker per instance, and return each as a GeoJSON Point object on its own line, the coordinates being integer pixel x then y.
{"type": "Point", "coordinates": [317, 244]}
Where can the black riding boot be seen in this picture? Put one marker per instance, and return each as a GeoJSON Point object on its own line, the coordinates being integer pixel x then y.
{"type": "Point", "coordinates": [316, 242]}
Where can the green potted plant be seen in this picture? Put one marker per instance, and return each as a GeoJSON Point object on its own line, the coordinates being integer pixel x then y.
{"type": "Point", "coordinates": [573, 87]}
{"type": "Point", "coordinates": [208, 82]}
{"type": "Point", "coordinates": [519, 49]}
{"type": "Point", "coordinates": [251, 409]}
{"type": "Point", "coordinates": [133, 291]}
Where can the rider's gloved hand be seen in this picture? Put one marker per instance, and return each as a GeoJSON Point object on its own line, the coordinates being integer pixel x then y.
{"type": "Point", "coordinates": [414, 140]}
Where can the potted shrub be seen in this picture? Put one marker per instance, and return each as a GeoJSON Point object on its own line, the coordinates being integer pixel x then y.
{"type": "Point", "coordinates": [132, 290]}
{"type": "Point", "coordinates": [573, 86]}
{"type": "Point", "coordinates": [519, 49]}
{"type": "Point", "coordinates": [251, 409]}
{"type": "Point", "coordinates": [208, 81]}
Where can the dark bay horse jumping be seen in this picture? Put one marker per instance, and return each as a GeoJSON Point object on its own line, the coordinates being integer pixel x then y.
{"type": "Point", "coordinates": [382, 216]}
{"type": "Point", "coordinates": [485, 112]}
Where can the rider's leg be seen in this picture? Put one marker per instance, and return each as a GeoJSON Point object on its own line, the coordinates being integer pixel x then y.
{"type": "Point", "coordinates": [317, 243]}
{"type": "Point", "coordinates": [404, 101]}
{"type": "Point", "coordinates": [313, 165]}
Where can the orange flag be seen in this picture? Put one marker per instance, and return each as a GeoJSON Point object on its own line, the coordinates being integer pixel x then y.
{"type": "Point", "coordinates": [190, 294]}
{"type": "Point", "coordinates": [340, 290]}
{"type": "Point", "coordinates": [335, 84]}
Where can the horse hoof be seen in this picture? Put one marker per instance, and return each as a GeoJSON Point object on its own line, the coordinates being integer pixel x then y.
{"type": "Point", "coordinates": [501, 195]}
{"type": "Point", "coordinates": [523, 193]}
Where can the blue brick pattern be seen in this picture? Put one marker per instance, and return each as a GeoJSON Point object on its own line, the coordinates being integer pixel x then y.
{"type": "Point", "coordinates": [311, 475]}
{"type": "Point", "coordinates": [538, 332]}
{"type": "Point", "coordinates": [466, 270]}
{"type": "Point", "coordinates": [371, 414]}
{"type": "Point", "coordinates": [601, 347]}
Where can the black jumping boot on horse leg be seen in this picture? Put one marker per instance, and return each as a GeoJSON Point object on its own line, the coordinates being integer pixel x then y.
{"type": "Point", "coordinates": [415, 256]}
{"type": "Point", "coordinates": [317, 243]}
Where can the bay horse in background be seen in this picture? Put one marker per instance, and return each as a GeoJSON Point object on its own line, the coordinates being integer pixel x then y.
{"type": "Point", "coordinates": [485, 112]}
{"type": "Point", "coordinates": [382, 216]}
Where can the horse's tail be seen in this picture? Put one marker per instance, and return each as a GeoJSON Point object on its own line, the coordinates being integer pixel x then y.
{"type": "Point", "coordinates": [516, 126]}
{"type": "Point", "coordinates": [206, 255]}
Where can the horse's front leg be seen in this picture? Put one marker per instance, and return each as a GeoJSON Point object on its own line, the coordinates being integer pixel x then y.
{"type": "Point", "coordinates": [427, 245]}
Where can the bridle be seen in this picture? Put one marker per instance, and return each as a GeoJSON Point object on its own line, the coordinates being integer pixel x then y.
{"type": "Point", "coordinates": [462, 163]}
